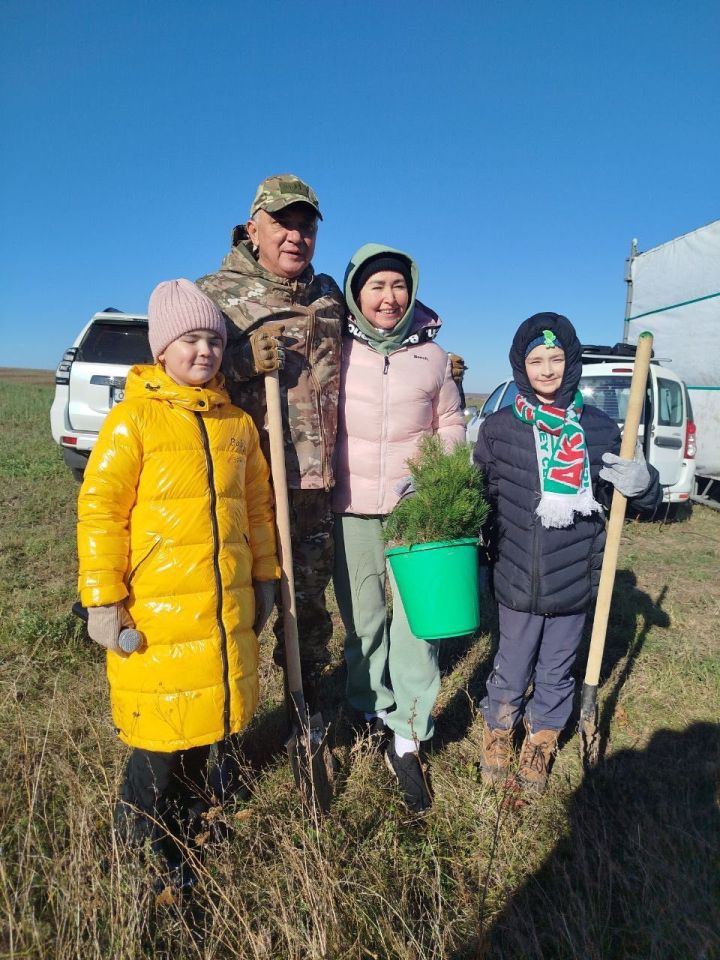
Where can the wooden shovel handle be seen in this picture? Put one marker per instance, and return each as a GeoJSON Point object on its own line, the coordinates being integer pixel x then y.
{"type": "Point", "coordinates": [638, 385]}
{"type": "Point", "coordinates": [282, 519]}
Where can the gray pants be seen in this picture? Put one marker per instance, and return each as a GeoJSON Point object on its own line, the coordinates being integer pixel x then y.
{"type": "Point", "coordinates": [385, 668]}
{"type": "Point", "coordinates": [537, 648]}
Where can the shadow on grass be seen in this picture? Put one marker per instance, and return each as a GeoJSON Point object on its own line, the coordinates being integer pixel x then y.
{"type": "Point", "coordinates": [636, 874]}
{"type": "Point", "coordinates": [625, 637]}
{"type": "Point", "coordinates": [623, 643]}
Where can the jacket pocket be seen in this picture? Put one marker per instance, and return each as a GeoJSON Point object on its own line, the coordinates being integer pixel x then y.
{"type": "Point", "coordinates": [146, 556]}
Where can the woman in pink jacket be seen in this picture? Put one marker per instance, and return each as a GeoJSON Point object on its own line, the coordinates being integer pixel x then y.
{"type": "Point", "coordinates": [395, 388]}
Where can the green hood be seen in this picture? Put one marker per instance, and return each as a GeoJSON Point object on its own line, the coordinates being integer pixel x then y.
{"type": "Point", "coordinates": [384, 341]}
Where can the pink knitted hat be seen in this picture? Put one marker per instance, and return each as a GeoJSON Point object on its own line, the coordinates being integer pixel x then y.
{"type": "Point", "coordinates": [176, 307]}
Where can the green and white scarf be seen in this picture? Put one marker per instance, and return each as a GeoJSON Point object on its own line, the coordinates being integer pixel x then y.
{"type": "Point", "coordinates": [562, 461]}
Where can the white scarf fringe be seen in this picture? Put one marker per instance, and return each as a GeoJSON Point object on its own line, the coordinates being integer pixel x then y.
{"type": "Point", "coordinates": [559, 509]}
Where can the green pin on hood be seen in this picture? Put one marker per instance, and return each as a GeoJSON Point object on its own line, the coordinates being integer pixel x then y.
{"type": "Point", "coordinates": [550, 339]}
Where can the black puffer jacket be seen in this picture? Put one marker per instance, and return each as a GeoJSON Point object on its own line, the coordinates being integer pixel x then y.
{"type": "Point", "coordinates": [536, 569]}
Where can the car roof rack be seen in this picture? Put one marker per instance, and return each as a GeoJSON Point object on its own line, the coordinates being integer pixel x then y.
{"type": "Point", "coordinates": [619, 350]}
{"type": "Point", "coordinates": [117, 316]}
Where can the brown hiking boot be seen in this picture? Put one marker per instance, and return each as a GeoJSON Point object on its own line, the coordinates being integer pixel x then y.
{"type": "Point", "coordinates": [536, 757]}
{"type": "Point", "coordinates": [497, 754]}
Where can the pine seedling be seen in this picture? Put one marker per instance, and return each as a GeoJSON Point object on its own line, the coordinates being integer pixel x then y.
{"type": "Point", "coordinates": [448, 503]}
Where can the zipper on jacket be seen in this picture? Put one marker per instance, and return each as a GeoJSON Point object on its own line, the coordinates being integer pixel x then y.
{"type": "Point", "coordinates": [383, 434]}
{"type": "Point", "coordinates": [141, 561]}
{"type": "Point", "coordinates": [316, 383]}
{"type": "Point", "coordinates": [534, 572]}
{"type": "Point", "coordinates": [216, 570]}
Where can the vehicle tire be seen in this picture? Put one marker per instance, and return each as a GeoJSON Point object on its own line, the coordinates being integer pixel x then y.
{"type": "Point", "coordinates": [76, 462]}
{"type": "Point", "coordinates": [677, 512]}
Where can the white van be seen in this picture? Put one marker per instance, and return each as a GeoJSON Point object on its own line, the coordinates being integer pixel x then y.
{"type": "Point", "coordinates": [667, 429]}
{"type": "Point", "coordinates": [90, 378]}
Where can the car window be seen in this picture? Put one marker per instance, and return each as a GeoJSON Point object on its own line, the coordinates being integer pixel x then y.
{"type": "Point", "coordinates": [125, 343]}
{"type": "Point", "coordinates": [609, 393]}
{"type": "Point", "coordinates": [509, 395]}
{"type": "Point", "coordinates": [670, 411]}
{"type": "Point", "coordinates": [489, 405]}
{"type": "Point", "coordinates": [688, 403]}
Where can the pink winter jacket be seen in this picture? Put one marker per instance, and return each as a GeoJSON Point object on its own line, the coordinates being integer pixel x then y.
{"type": "Point", "coordinates": [386, 405]}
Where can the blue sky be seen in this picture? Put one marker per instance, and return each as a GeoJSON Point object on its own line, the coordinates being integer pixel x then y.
{"type": "Point", "coordinates": [513, 148]}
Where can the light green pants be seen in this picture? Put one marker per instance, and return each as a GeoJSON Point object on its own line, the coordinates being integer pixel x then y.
{"type": "Point", "coordinates": [384, 668]}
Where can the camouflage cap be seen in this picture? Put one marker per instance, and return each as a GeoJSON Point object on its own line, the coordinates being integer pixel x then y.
{"type": "Point", "coordinates": [276, 193]}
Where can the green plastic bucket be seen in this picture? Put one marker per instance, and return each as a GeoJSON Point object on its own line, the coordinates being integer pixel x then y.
{"type": "Point", "coordinates": [439, 587]}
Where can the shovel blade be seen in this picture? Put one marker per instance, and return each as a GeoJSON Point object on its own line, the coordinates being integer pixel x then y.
{"type": "Point", "coordinates": [589, 741]}
{"type": "Point", "coordinates": [588, 728]}
{"type": "Point", "coordinates": [312, 762]}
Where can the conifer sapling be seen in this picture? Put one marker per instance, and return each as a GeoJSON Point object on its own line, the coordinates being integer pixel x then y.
{"type": "Point", "coordinates": [448, 503]}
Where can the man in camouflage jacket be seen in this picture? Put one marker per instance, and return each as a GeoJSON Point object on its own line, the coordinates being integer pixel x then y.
{"type": "Point", "coordinates": [282, 314]}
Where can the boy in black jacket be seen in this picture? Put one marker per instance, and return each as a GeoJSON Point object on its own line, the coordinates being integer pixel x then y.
{"type": "Point", "coordinates": [550, 464]}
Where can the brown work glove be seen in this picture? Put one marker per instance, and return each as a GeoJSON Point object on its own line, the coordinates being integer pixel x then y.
{"type": "Point", "coordinates": [457, 368]}
{"type": "Point", "coordinates": [267, 350]}
{"type": "Point", "coordinates": [259, 353]}
{"type": "Point", "coordinates": [105, 624]}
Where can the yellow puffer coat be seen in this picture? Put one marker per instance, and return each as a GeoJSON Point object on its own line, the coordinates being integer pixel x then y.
{"type": "Point", "coordinates": [175, 518]}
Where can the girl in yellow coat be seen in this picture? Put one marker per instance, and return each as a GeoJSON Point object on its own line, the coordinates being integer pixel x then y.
{"type": "Point", "coordinates": [176, 536]}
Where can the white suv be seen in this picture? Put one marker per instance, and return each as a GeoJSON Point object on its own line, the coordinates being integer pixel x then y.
{"type": "Point", "coordinates": [90, 378]}
{"type": "Point", "coordinates": [667, 430]}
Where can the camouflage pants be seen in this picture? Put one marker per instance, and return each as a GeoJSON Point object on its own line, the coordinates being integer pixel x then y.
{"type": "Point", "coordinates": [311, 524]}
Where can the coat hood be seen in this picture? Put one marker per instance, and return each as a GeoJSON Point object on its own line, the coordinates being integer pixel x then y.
{"type": "Point", "coordinates": [152, 383]}
{"type": "Point", "coordinates": [382, 341]}
{"type": "Point", "coordinates": [241, 259]}
{"type": "Point", "coordinates": [565, 332]}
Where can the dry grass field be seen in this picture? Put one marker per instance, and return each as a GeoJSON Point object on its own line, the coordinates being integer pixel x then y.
{"type": "Point", "coordinates": [618, 863]}
{"type": "Point", "coordinates": [475, 399]}
{"type": "Point", "coordinates": [20, 375]}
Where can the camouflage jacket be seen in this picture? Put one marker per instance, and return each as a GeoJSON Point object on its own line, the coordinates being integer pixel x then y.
{"type": "Point", "coordinates": [312, 309]}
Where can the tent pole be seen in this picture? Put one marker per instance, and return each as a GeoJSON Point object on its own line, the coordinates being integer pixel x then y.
{"type": "Point", "coordinates": [629, 296]}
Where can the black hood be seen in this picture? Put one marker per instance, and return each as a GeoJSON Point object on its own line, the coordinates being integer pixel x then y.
{"type": "Point", "coordinates": [565, 332]}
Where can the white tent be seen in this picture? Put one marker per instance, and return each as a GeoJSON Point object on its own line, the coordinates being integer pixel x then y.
{"type": "Point", "coordinates": [675, 293]}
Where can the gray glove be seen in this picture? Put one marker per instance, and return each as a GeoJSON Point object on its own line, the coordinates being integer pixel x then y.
{"type": "Point", "coordinates": [404, 488]}
{"type": "Point", "coordinates": [105, 623]}
{"type": "Point", "coordinates": [629, 477]}
{"type": "Point", "coordinates": [264, 603]}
